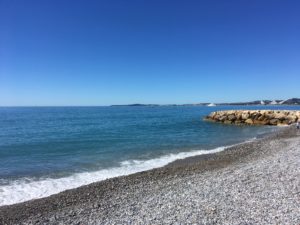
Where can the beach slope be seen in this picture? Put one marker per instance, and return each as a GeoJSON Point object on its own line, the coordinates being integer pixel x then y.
{"type": "Point", "coordinates": [251, 183]}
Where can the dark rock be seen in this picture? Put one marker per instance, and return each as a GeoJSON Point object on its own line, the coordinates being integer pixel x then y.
{"type": "Point", "coordinates": [274, 121]}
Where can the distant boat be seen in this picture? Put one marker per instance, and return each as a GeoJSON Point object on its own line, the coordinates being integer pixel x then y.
{"type": "Point", "coordinates": [262, 103]}
{"type": "Point", "coordinates": [273, 102]}
{"type": "Point", "coordinates": [211, 104]}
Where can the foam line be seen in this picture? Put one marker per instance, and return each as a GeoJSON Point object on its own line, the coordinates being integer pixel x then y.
{"type": "Point", "coordinates": [26, 189]}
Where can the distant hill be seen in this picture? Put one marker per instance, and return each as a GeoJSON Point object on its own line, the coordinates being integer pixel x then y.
{"type": "Point", "coordinates": [138, 105]}
{"type": "Point", "coordinates": [292, 101]}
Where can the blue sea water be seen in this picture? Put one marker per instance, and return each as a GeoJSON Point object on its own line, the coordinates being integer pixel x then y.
{"type": "Point", "coordinates": [45, 150]}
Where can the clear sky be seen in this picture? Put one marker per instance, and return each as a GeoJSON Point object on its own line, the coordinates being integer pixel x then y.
{"type": "Point", "coordinates": [59, 52]}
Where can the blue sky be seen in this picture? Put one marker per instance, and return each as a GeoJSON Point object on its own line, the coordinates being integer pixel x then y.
{"type": "Point", "coordinates": [117, 52]}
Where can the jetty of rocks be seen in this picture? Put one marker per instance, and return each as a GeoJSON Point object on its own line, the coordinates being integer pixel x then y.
{"type": "Point", "coordinates": [255, 117]}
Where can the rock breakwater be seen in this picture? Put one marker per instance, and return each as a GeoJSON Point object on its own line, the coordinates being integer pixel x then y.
{"type": "Point", "coordinates": [256, 117]}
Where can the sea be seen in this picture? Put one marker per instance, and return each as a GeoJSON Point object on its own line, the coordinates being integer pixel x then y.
{"type": "Point", "coordinates": [46, 150]}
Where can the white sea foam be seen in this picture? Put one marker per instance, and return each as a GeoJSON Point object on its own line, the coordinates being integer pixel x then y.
{"type": "Point", "coordinates": [26, 189]}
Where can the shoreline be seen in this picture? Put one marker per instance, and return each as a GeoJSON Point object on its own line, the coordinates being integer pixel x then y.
{"type": "Point", "coordinates": [52, 186]}
{"type": "Point", "coordinates": [93, 203]}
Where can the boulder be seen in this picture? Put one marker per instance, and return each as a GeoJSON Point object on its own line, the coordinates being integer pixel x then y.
{"type": "Point", "coordinates": [260, 122]}
{"type": "Point", "coordinates": [249, 121]}
{"type": "Point", "coordinates": [274, 121]}
{"type": "Point", "coordinates": [270, 116]}
{"type": "Point", "coordinates": [292, 118]}
{"type": "Point", "coordinates": [282, 124]}
{"type": "Point", "coordinates": [261, 118]}
{"type": "Point", "coordinates": [227, 122]}
{"type": "Point", "coordinates": [232, 117]}
{"type": "Point", "coordinates": [239, 116]}
{"type": "Point", "coordinates": [245, 116]}
{"type": "Point", "coordinates": [216, 117]}
{"type": "Point", "coordinates": [223, 118]}
{"type": "Point", "coordinates": [279, 115]}
{"type": "Point", "coordinates": [212, 115]}
{"type": "Point", "coordinates": [256, 116]}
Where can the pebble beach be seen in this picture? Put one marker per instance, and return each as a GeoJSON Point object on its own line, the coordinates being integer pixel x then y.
{"type": "Point", "coordinates": [256, 182]}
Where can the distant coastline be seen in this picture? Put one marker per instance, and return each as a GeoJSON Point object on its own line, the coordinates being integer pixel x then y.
{"type": "Point", "coordinates": [291, 101]}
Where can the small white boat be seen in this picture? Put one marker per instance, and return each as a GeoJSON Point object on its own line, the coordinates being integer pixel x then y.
{"type": "Point", "coordinates": [211, 104]}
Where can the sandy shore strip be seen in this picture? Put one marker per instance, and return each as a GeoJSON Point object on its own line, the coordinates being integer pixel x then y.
{"type": "Point", "coordinates": [251, 183]}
